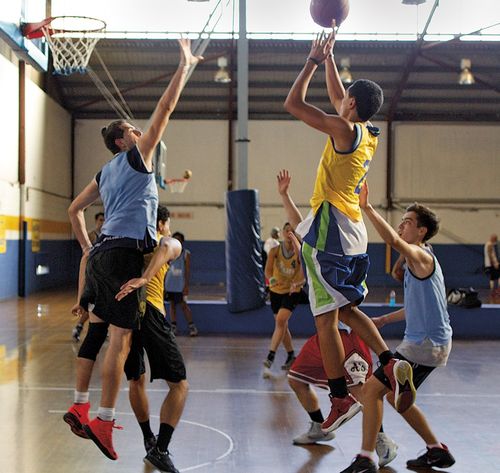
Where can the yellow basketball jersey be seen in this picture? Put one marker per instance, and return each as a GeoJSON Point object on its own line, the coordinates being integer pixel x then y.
{"type": "Point", "coordinates": [285, 271]}
{"type": "Point", "coordinates": [154, 289]}
{"type": "Point", "coordinates": [340, 176]}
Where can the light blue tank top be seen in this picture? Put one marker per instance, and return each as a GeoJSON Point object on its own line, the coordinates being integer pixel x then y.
{"type": "Point", "coordinates": [426, 307]}
{"type": "Point", "coordinates": [130, 200]}
{"type": "Point", "coordinates": [174, 279]}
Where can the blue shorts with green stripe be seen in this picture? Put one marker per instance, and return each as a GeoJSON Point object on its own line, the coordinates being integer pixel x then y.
{"type": "Point", "coordinates": [334, 280]}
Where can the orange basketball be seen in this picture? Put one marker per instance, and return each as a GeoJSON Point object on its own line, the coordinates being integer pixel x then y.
{"type": "Point", "coordinates": [323, 12]}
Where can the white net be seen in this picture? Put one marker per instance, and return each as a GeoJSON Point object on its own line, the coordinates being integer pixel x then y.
{"type": "Point", "coordinates": [177, 186]}
{"type": "Point", "coordinates": [71, 41]}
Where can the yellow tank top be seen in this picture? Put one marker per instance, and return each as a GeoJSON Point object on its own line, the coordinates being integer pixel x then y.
{"type": "Point", "coordinates": [154, 289]}
{"type": "Point", "coordinates": [340, 176]}
{"type": "Point", "coordinates": [285, 271]}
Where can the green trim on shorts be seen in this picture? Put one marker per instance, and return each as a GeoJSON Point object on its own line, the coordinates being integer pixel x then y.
{"type": "Point", "coordinates": [321, 296]}
{"type": "Point", "coordinates": [323, 226]}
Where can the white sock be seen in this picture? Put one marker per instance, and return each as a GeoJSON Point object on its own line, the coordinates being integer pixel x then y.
{"type": "Point", "coordinates": [106, 413]}
{"type": "Point", "coordinates": [435, 445]}
{"type": "Point", "coordinates": [81, 398]}
{"type": "Point", "coordinates": [367, 453]}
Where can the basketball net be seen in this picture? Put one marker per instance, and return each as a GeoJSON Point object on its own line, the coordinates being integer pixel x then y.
{"type": "Point", "coordinates": [177, 186]}
{"type": "Point", "coordinates": [71, 40]}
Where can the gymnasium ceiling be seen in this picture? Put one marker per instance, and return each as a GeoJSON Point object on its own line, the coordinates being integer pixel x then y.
{"type": "Point", "coordinates": [420, 82]}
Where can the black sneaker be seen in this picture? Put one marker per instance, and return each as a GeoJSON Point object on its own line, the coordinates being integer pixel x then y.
{"type": "Point", "coordinates": [439, 457]}
{"type": "Point", "coordinates": [361, 465]}
{"type": "Point", "coordinates": [149, 443]}
{"type": "Point", "coordinates": [160, 460]}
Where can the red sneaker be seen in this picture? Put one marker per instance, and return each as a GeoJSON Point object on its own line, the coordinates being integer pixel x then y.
{"type": "Point", "coordinates": [400, 375]}
{"type": "Point", "coordinates": [101, 433]}
{"type": "Point", "coordinates": [76, 417]}
{"type": "Point", "coordinates": [343, 409]}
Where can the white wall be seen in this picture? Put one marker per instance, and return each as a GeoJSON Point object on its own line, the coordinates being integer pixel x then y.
{"type": "Point", "coordinates": [431, 161]}
{"type": "Point", "coordinates": [9, 124]}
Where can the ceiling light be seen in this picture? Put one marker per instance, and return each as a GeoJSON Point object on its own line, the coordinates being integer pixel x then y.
{"type": "Point", "coordinates": [466, 77]}
{"type": "Point", "coordinates": [413, 2]}
{"type": "Point", "coordinates": [344, 73]}
{"type": "Point", "coordinates": [222, 75]}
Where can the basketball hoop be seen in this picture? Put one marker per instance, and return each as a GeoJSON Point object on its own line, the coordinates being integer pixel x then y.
{"type": "Point", "coordinates": [71, 40]}
{"type": "Point", "coordinates": [177, 186]}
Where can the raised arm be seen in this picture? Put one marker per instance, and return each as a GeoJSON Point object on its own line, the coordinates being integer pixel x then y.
{"type": "Point", "coordinates": [336, 90]}
{"type": "Point", "coordinates": [166, 105]}
{"type": "Point", "coordinates": [293, 214]}
{"type": "Point", "coordinates": [398, 271]}
{"type": "Point", "coordinates": [417, 259]}
{"type": "Point", "coordinates": [340, 128]}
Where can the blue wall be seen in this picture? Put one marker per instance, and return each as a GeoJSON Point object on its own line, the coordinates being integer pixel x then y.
{"type": "Point", "coordinates": [61, 256]}
{"type": "Point", "coordinates": [461, 264]}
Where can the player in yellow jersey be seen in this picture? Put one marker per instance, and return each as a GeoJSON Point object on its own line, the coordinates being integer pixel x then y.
{"type": "Point", "coordinates": [284, 273]}
{"type": "Point", "coordinates": [156, 337]}
{"type": "Point", "coordinates": [334, 238]}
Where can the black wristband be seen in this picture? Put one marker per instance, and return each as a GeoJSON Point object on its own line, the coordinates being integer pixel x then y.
{"type": "Point", "coordinates": [314, 60]}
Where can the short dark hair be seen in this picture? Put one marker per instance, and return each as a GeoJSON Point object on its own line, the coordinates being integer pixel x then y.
{"type": "Point", "coordinates": [113, 132]}
{"type": "Point", "coordinates": [425, 218]}
{"type": "Point", "coordinates": [179, 236]}
{"type": "Point", "coordinates": [369, 97]}
{"type": "Point", "coordinates": [162, 215]}
{"type": "Point", "coordinates": [98, 214]}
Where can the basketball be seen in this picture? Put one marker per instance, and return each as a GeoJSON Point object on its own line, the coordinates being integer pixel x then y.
{"type": "Point", "coordinates": [187, 174]}
{"type": "Point", "coordinates": [323, 12]}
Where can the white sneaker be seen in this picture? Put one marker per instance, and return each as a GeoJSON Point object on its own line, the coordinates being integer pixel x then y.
{"type": "Point", "coordinates": [386, 449]}
{"type": "Point", "coordinates": [313, 435]}
{"type": "Point", "coordinates": [267, 373]}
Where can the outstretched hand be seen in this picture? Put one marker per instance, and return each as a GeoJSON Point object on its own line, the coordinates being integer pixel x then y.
{"type": "Point", "coordinates": [187, 58]}
{"type": "Point", "coordinates": [284, 180]}
{"type": "Point", "coordinates": [130, 286]}
{"type": "Point", "coordinates": [322, 45]}
{"type": "Point", "coordinates": [363, 196]}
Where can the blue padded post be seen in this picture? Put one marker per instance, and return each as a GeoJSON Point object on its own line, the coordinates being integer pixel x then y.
{"type": "Point", "coordinates": [244, 271]}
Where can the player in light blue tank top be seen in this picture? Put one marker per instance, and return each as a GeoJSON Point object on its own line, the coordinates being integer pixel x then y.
{"type": "Point", "coordinates": [427, 340]}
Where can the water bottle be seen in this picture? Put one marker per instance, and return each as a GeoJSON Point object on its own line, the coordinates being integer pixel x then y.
{"type": "Point", "coordinates": [392, 298]}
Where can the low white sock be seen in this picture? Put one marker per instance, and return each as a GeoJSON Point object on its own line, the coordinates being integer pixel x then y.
{"type": "Point", "coordinates": [106, 413]}
{"type": "Point", "coordinates": [81, 398]}
{"type": "Point", "coordinates": [434, 445]}
{"type": "Point", "coordinates": [367, 454]}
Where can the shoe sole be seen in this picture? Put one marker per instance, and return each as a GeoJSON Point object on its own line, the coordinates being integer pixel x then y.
{"type": "Point", "coordinates": [101, 447]}
{"type": "Point", "coordinates": [314, 441]}
{"type": "Point", "coordinates": [405, 393]}
{"type": "Point", "coordinates": [75, 425]}
{"type": "Point", "coordinates": [353, 410]}
{"type": "Point", "coordinates": [150, 463]}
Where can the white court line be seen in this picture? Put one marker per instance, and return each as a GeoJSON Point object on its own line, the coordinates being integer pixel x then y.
{"type": "Point", "coordinates": [197, 424]}
{"type": "Point", "coordinates": [252, 391]}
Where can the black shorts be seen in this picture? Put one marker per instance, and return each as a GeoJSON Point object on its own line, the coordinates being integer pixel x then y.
{"type": "Point", "coordinates": [174, 297]}
{"type": "Point", "coordinates": [420, 372]}
{"type": "Point", "coordinates": [106, 272]}
{"type": "Point", "coordinates": [284, 301]}
{"type": "Point", "coordinates": [156, 337]}
{"type": "Point", "coordinates": [492, 272]}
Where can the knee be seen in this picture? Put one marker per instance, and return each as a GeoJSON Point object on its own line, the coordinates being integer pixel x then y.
{"type": "Point", "coordinates": [93, 341]}
{"type": "Point", "coordinates": [181, 388]}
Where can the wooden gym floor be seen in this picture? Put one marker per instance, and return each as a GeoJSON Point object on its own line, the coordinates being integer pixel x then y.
{"type": "Point", "coordinates": [234, 420]}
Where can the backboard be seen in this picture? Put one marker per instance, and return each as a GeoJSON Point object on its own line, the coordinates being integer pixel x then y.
{"type": "Point", "coordinates": [16, 12]}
